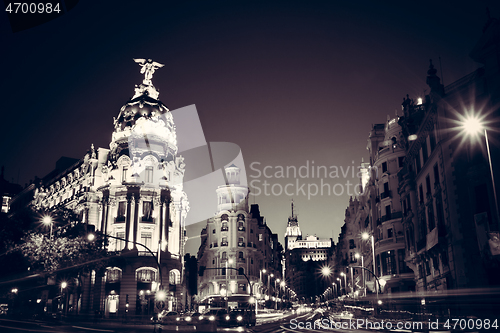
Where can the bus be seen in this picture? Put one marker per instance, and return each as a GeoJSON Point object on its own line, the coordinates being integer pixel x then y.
{"type": "Point", "coordinates": [231, 311]}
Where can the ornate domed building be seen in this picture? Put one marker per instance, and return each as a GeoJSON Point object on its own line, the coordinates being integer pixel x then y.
{"type": "Point", "coordinates": [132, 192]}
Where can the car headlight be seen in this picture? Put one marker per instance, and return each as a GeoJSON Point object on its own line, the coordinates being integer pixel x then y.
{"type": "Point", "coordinates": [227, 317]}
{"type": "Point", "coordinates": [239, 318]}
{"type": "Point", "coordinates": [188, 318]}
{"type": "Point", "coordinates": [200, 318]}
{"type": "Point", "coordinates": [178, 318]}
{"type": "Point", "coordinates": [211, 318]}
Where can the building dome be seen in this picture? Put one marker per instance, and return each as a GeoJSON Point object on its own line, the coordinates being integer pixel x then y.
{"type": "Point", "coordinates": [142, 106]}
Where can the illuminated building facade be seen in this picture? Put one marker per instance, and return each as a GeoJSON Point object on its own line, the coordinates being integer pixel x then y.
{"type": "Point", "coordinates": [132, 191]}
{"type": "Point", "coordinates": [304, 259]}
{"type": "Point", "coordinates": [237, 237]}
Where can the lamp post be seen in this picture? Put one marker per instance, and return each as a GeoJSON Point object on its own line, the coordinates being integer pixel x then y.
{"type": "Point", "coordinates": [366, 236]}
{"type": "Point", "coordinates": [47, 220]}
{"type": "Point", "coordinates": [345, 281]}
{"type": "Point", "coordinates": [357, 256]}
{"type": "Point", "coordinates": [91, 237]}
{"type": "Point", "coordinates": [259, 292]}
{"type": "Point", "coordinates": [472, 126]}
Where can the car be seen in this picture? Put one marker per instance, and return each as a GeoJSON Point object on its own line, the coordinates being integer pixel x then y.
{"type": "Point", "coordinates": [238, 317]}
{"type": "Point", "coordinates": [164, 317]}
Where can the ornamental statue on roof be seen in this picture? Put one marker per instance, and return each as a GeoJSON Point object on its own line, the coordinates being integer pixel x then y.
{"type": "Point", "coordinates": [148, 67]}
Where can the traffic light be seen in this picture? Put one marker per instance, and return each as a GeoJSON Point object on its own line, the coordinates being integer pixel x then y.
{"type": "Point", "coordinates": [201, 270]}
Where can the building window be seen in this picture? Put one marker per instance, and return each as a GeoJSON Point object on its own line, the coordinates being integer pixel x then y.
{"type": "Point", "coordinates": [120, 243]}
{"type": "Point", "coordinates": [113, 275]}
{"type": "Point", "coordinates": [241, 242]}
{"type": "Point", "coordinates": [401, 161]}
{"type": "Point", "coordinates": [384, 167]}
{"type": "Point", "coordinates": [436, 174]}
{"type": "Point", "coordinates": [224, 255]}
{"type": "Point", "coordinates": [427, 184]}
{"type": "Point", "coordinates": [224, 217]}
{"type": "Point", "coordinates": [146, 275]}
{"type": "Point", "coordinates": [149, 174]}
{"type": "Point", "coordinates": [224, 241]}
{"type": "Point", "coordinates": [213, 231]}
{"type": "Point", "coordinates": [224, 226]}
{"type": "Point", "coordinates": [146, 239]}
{"type": "Point", "coordinates": [241, 271]}
{"type": "Point", "coordinates": [124, 174]}
{"type": "Point", "coordinates": [388, 263]}
{"type": "Point", "coordinates": [260, 237]}
{"type": "Point", "coordinates": [147, 211]}
{"type": "Point", "coordinates": [240, 254]}
{"type": "Point", "coordinates": [351, 244]}
{"type": "Point", "coordinates": [430, 216]}
{"type": "Point", "coordinates": [241, 226]}
{"type": "Point", "coordinates": [121, 211]}
{"type": "Point", "coordinates": [389, 233]}
{"type": "Point", "coordinates": [387, 212]}
{"type": "Point", "coordinates": [421, 194]}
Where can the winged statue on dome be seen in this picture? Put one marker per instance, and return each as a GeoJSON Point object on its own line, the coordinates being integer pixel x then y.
{"type": "Point", "coordinates": [148, 68]}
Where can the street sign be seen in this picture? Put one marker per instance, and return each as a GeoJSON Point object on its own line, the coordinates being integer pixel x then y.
{"type": "Point", "coordinates": [160, 305]}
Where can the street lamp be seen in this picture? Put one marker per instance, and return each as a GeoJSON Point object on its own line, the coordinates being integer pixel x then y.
{"type": "Point", "coordinates": [47, 220]}
{"type": "Point", "coordinates": [91, 237]}
{"type": "Point", "coordinates": [345, 281]}
{"type": "Point", "coordinates": [472, 126]}
{"type": "Point", "coordinates": [357, 256]}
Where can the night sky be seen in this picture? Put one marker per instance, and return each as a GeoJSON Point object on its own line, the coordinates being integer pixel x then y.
{"type": "Point", "coordinates": [289, 82]}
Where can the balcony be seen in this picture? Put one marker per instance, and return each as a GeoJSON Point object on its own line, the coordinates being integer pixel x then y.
{"type": "Point", "coordinates": [222, 244]}
{"type": "Point", "coordinates": [147, 219]}
{"type": "Point", "coordinates": [241, 228]}
{"type": "Point", "coordinates": [386, 194]}
{"type": "Point", "coordinates": [215, 245]}
{"type": "Point", "coordinates": [224, 228]}
{"type": "Point", "coordinates": [392, 216]}
{"type": "Point", "coordinates": [241, 244]}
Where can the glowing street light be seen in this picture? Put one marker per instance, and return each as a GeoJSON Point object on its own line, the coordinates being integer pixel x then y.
{"type": "Point", "coordinates": [47, 220]}
{"type": "Point", "coordinates": [326, 271]}
{"type": "Point", "coordinates": [472, 126]}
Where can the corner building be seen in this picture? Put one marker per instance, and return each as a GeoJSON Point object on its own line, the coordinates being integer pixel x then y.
{"type": "Point", "coordinates": [132, 191]}
{"type": "Point", "coordinates": [238, 238]}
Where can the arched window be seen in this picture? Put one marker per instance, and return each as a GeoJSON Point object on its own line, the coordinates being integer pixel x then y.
{"type": "Point", "coordinates": [224, 255]}
{"type": "Point", "coordinates": [224, 217]}
{"type": "Point", "coordinates": [174, 277]}
{"type": "Point", "coordinates": [241, 217]}
{"type": "Point", "coordinates": [241, 271]}
{"type": "Point", "coordinates": [145, 275]}
{"type": "Point", "coordinates": [113, 274]}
